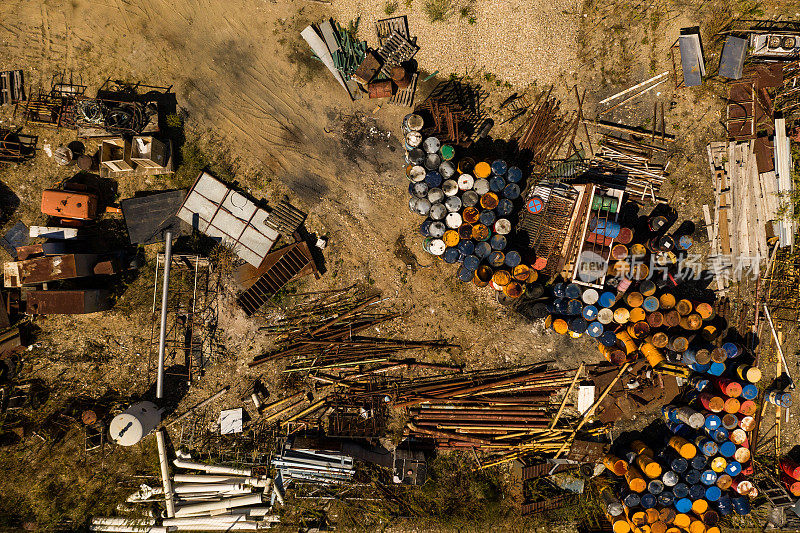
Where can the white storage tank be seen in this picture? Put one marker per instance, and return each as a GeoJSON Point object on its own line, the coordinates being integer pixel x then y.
{"type": "Point", "coordinates": [133, 424]}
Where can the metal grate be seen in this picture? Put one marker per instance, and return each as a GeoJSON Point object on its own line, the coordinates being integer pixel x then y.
{"type": "Point", "coordinates": [288, 266]}
{"type": "Point", "coordinates": [285, 218]}
{"type": "Point", "coordinates": [386, 27]}
{"type": "Point", "coordinates": [12, 87]}
{"type": "Point", "coordinates": [396, 50]}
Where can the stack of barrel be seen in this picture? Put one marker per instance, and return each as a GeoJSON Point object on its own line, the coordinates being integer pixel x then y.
{"type": "Point", "coordinates": [468, 208]}
{"type": "Point", "coordinates": [684, 486]}
{"type": "Point", "coordinates": [790, 475]}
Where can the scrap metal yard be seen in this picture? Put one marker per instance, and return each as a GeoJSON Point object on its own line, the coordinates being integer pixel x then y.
{"type": "Point", "coordinates": [418, 265]}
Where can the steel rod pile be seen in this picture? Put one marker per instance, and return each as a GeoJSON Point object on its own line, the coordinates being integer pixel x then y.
{"type": "Point", "coordinates": [306, 465]}
{"type": "Point", "coordinates": [546, 129]}
{"type": "Point", "coordinates": [635, 160]}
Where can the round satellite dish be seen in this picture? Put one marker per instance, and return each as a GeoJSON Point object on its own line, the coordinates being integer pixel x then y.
{"type": "Point", "coordinates": [133, 424]}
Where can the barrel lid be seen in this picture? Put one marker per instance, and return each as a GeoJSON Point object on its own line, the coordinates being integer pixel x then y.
{"type": "Point", "coordinates": [420, 206]}
{"type": "Point", "coordinates": [499, 167]}
{"type": "Point", "coordinates": [432, 161]}
{"type": "Point", "coordinates": [435, 194]}
{"type": "Point", "coordinates": [511, 191]}
{"type": "Point", "coordinates": [502, 226]}
{"type": "Point", "coordinates": [431, 145]}
{"type": "Point", "coordinates": [498, 242]}
{"type": "Point", "coordinates": [481, 186]}
{"type": "Point", "coordinates": [464, 274]}
{"type": "Point", "coordinates": [452, 203]}
{"type": "Point", "coordinates": [438, 211]}
{"type": "Point", "coordinates": [471, 262]}
{"type": "Point", "coordinates": [451, 239]}
{"type": "Point", "coordinates": [437, 229]}
{"type": "Point", "coordinates": [451, 254]}
{"type": "Point", "coordinates": [417, 156]}
{"type": "Point", "coordinates": [514, 174]}
{"type": "Point", "coordinates": [453, 220]}
{"type": "Point", "coordinates": [447, 152]}
{"type": "Point", "coordinates": [605, 316]}
{"type": "Point", "coordinates": [487, 217]}
{"type": "Point", "coordinates": [595, 329]}
{"type": "Point", "coordinates": [466, 247]}
{"type": "Point", "coordinates": [483, 249]}
{"type": "Point", "coordinates": [497, 259]}
{"type": "Point", "coordinates": [489, 200]}
{"type": "Point", "coordinates": [433, 178]}
{"type": "Point", "coordinates": [470, 198]}
{"type": "Point", "coordinates": [496, 184]}
{"type": "Point", "coordinates": [436, 247]}
{"type": "Point", "coordinates": [482, 169]}
{"type": "Point", "coordinates": [465, 182]}
{"type": "Point", "coordinates": [450, 187]}
{"type": "Point", "coordinates": [513, 258]}
{"type": "Point", "coordinates": [413, 138]}
{"type": "Point", "coordinates": [413, 122]}
{"type": "Point", "coordinates": [417, 173]}
{"type": "Point", "coordinates": [419, 189]}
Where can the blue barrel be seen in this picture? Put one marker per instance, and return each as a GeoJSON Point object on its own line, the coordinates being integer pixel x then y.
{"type": "Point", "coordinates": [700, 368]}
{"type": "Point", "coordinates": [713, 493]}
{"type": "Point", "coordinates": [608, 338]}
{"type": "Point", "coordinates": [589, 312]}
{"type": "Point", "coordinates": [595, 329]}
{"type": "Point", "coordinates": [666, 499]}
{"type": "Point", "coordinates": [483, 249]}
{"type": "Point", "coordinates": [683, 505]}
{"type": "Point", "coordinates": [471, 262]}
{"type": "Point", "coordinates": [697, 491]}
{"type": "Point", "coordinates": [513, 258]}
{"type": "Point", "coordinates": [424, 228]}
{"type": "Point", "coordinates": [514, 174]}
{"type": "Point", "coordinates": [558, 289]}
{"type": "Point", "coordinates": [551, 307]}
{"type": "Point", "coordinates": [497, 184]}
{"type": "Point", "coordinates": [655, 486]}
{"type": "Point", "coordinates": [681, 490]}
{"type": "Point", "coordinates": [574, 307]}
{"type": "Point", "coordinates": [499, 167]}
{"type": "Point", "coordinates": [562, 306]}
{"type": "Point", "coordinates": [433, 179]}
{"type": "Point", "coordinates": [692, 476]}
{"type": "Point", "coordinates": [504, 207]}
{"type": "Point", "coordinates": [716, 369]}
{"type": "Point", "coordinates": [487, 217]}
{"type": "Point", "coordinates": [650, 304]}
{"type": "Point", "coordinates": [606, 228]}
{"type": "Point", "coordinates": [451, 254]}
{"type": "Point", "coordinates": [720, 434]}
{"type": "Point", "coordinates": [418, 189]}
{"type": "Point", "coordinates": [708, 447]}
{"type": "Point", "coordinates": [724, 505]}
{"type": "Point", "coordinates": [511, 191]}
{"type": "Point", "coordinates": [741, 505]}
{"type": "Point", "coordinates": [749, 392]}
{"type": "Point", "coordinates": [732, 349]}
{"type": "Point", "coordinates": [578, 325]}
{"type": "Point", "coordinates": [465, 274]}
{"type": "Point", "coordinates": [712, 422]}
{"type": "Point", "coordinates": [670, 478]}
{"type": "Point", "coordinates": [708, 478]}
{"type": "Point", "coordinates": [699, 383]}
{"type": "Point", "coordinates": [631, 500]}
{"type": "Point", "coordinates": [572, 290]}
{"type": "Point", "coordinates": [685, 242]}
{"type": "Point", "coordinates": [727, 449]}
{"type": "Point", "coordinates": [498, 242]}
{"type": "Point", "coordinates": [496, 259]}
{"type": "Point", "coordinates": [687, 357]}
{"type": "Point", "coordinates": [607, 299]}
{"type": "Point", "coordinates": [648, 501]}
{"type": "Point", "coordinates": [466, 247]}
{"type": "Point", "coordinates": [734, 468]}
{"type": "Point", "coordinates": [698, 462]}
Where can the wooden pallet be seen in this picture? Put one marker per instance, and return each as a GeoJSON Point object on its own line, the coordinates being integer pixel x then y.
{"type": "Point", "coordinates": [405, 97]}
{"type": "Point", "coordinates": [396, 50]}
{"type": "Point", "coordinates": [386, 27]}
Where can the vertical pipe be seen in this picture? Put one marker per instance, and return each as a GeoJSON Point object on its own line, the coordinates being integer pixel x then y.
{"type": "Point", "coordinates": [165, 479]}
{"type": "Point", "coordinates": [162, 336]}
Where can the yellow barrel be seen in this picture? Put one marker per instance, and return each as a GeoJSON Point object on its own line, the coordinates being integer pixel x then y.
{"type": "Point", "coordinates": [615, 464]}
{"type": "Point", "coordinates": [482, 170]}
{"type": "Point", "coordinates": [713, 529]}
{"type": "Point", "coordinates": [522, 273]}
{"type": "Point", "coordinates": [686, 449]}
{"type": "Point", "coordinates": [640, 448]}
{"type": "Point", "coordinates": [637, 314]}
{"type": "Point", "coordinates": [646, 464]}
{"type": "Point", "coordinates": [513, 289]}
{"type": "Point", "coordinates": [639, 518]}
{"type": "Point", "coordinates": [619, 524]}
{"type": "Point", "coordinates": [635, 479]}
{"type": "Point", "coordinates": [666, 515]}
{"type": "Point", "coordinates": [674, 530]}
{"type": "Point", "coordinates": [548, 322]}
{"type": "Point", "coordinates": [718, 464]}
{"type": "Point", "coordinates": [666, 301]}
{"type": "Point", "coordinates": [683, 307]}
{"type": "Point", "coordinates": [652, 354]}
{"type": "Point", "coordinates": [627, 341]}
{"type": "Point", "coordinates": [560, 326]}
{"type": "Point", "coordinates": [501, 277]}
{"type": "Point", "coordinates": [621, 315]}
{"type": "Point", "coordinates": [692, 322]}
{"type": "Point", "coordinates": [637, 250]}
{"type": "Point", "coordinates": [634, 299]}
{"type": "Point", "coordinates": [652, 516]}
{"type": "Point", "coordinates": [658, 339]}
{"type": "Point", "coordinates": [697, 526]}
{"type": "Point", "coordinates": [699, 507]}
{"type": "Point", "coordinates": [710, 332]}
{"type": "Point", "coordinates": [682, 520]}
{"type": "Point", "coordinates": [658, 527]}
{"type": "Point", "coordinates": [638, 330]}
{"type": "Point", "coordinates": [451, 237]}
{"type": "Point", "coordinates": [704, 310]}
{"type": "Point", "coordinates": [640, 271]}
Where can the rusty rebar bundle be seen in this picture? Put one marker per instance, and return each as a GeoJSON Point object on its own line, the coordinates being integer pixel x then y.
{"type": "Point", "coordinates": [546, 129]}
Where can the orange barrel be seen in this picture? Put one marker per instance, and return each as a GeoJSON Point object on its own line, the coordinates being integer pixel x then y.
{"type": "Point", "coordinates": [637, 314]}
{"type": "Point", "coordinates": [724, 480]}
{"type": "Point", "coordinates": [501, 277]}
{"type": "Point", "coordinates": [482, 170]}
{"type": "Point", "coordinates": [658, 527]}
{"type": "Point", "coordinates": [638, 330]}
{"type": "Point", "coordinates": [639, 519]}
{"type": "Point", "coordinates": [710, 332]}
{"type": "Point", "coordinates": [451, 237]}
{"type": "Point", "coordinates": [640, 271]}
{"type": "Point", "coordinates": [513, 290]}
{"type": "Point", "coordinates": [533, 276]}
{"type": "Point", "coordinates": [748, 408]}
{"type": "Point", "coordinates": [615, 464]}
{"type": "Point", "coordinates": [465, 231]}
{"type": "Point", "coordinates": [658, 339]}
{"type": "Point", "coordinates": [627, 341]}
{"type": "Point", "coordinates": [713, 529]}
{"type": "Point", "coordinates": [471, 215]}
{"type": "Point", "coordinates": [652, 354]}
{"type": "Point", "coordinates": [682, 520]}
{"type": "Point", "coordinates": [521, 272]}
{"type": "Point", "coordinates": [702, 356]}
{"type": "Point", "coordinates": [621, 315]}
{"type": "Point", "coordinates": [489, 200]}
{"type": "Point", "coordinates": [683, 307]}
{"type": "Point", "coordinates": [619, 524]}
{"type": "Point", "coordinates": [634, 299]}
{"type": "Point", "coordinates": [619, 252]}
{"type": "Point", "coordinates": [691, 322]}
{"type": "Point", "coordinates": [640, 448]}
{"type": "Point", "coordinates": [666, 515]}
{"type": "Point", "coordinates": [483, 275]}
{"type": "Point", "coordinates": [619, 269]}
{"type": "Point", "coordinates": [646, 464]}
{"type": "Point", "coordinates": [560, 326]}
{"type": "Point", "coordinates": [699, 506]}
{"type": "Point", "coordinates": [613, 355]}
{"type": "Point", "coordinates": [697, 526]}
{"type": "Point", "coordinates": [719, 355]}
{"type": "Point", "coordinates": [655, 319]}
{"type": "Point", "coordinates": [666, 301]}
{"type": "Point", "coordinates": [652, 516]}
{"type": "Point", "coordinates": [635, 479]}
{"type": "Point", "coordinates": [715, 404]}
{"type": "Point", "coordinates": [605, 316]}
{"type": "Point", "coordinates": [671, 318]}
{"type": "Point", "coordinates": [548, 322]}
{"type": "Point", "coordinates": [728, 387]}
{"type": "Point", "coordinates": [704, 310]}
{"type": "Point", "coordinates": [732, 405]}
{"type": "Point", "coordinates": [638, 250]}
{"type": "Point", "coordinates": [679, 344]}
{"type": "Point", "coordinates": [791, 484]}
{"type": "Point", "coordinates": [480, 232]}
{"type": "Point", "coordinates": [686, 449]}
{"type": "Point", "coordinates": [674, 530]}
{"type": "Point", "coordinates": [749, 373]}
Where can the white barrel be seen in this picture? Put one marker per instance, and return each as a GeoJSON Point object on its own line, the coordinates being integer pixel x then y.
{"type": "Point", "coordinates": [132, 425]}
{"type": "Point", "coordinates": [435, 195]}
{"type": "Point", "coordinates": [481, 186]}
{"type": "Point", "coordinates": [605, 315]}
{"type": "Point", "coordinates": [420, 206]}
{"type": "Point", "coordinates": [431, 145]}
{"type": "Point", "coordinates": [465, 182]}
{"type": "Point", "coordinates": [502, 226]}
{"type": "Point", "coordinates": [590, 296]}
{"type": "Point", "coordinates": [447, 170]}
{"type": "Point", "coordinates": [450, 187]}
{"type": "Point", "coordinates": [227, 503]}
{"type": "Point", "coordinates": [434, 246]}
{"type": "Point", "coordinates": [437, 229]}
{"type": "Point", "coordinates": [452, 203]}
{"type": "Point", "coordinates": [453, 220]}
{"type": "Point", "coordinates": [417, 173]}
{"type": "Point", "coordinates": [413, 138]}
{"type": "Point", "coordinates": [437, 212]}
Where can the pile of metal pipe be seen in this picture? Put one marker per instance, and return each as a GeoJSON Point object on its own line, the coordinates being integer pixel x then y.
{"type": "Point", "coordinates": [306, 465]}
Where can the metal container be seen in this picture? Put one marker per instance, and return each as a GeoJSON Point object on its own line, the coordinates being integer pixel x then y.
{"type": "Point", "coordinates": [487, 217]}
{"type": "Point", "coordinates": [464, 274]}
{"type": "Point", "coordinates": [481, 186]}
{"type": "Point", "coordinates": [453, 220]}
{"type": "Point", "coordinates": [431, 145]}
{"type": "Point", "coordinates": [447, 169]}
{"type": "Point", "coordinates": [511, 191]}
{"type": "Point", "coordinates": [513, 259]}
{"type": "Point", "coordinates": [451, 255]}
{"type": "Point", "coordinates": [433, 178]}
{"type": "Point", "coordinates": [416, 173]}
{"type": "Point", "coordinates": [447, 152]}
{"type": "Point", "coordinates": [471, 215]}
{"type": "Point", "coordinates": [499, 167]}
{"type": "Point", "coordinates": [432, 161]}
{"type": "Point", "coordinates": [466, 165]}
{"type": "Point", "coordinates": [420, 206]}
{"type": "Point", "coordinates": [466, 182]}
{"type": "Point", "coordinates": [480, 232]}
{"type": "Point", "coordinates": [482, 170]}
{"type": "Point", "coordinates": [502, 226]}
{"type": "Point", "coordinates": [496, 184]}
{"type": "Point", "coordinates": [437, 229]}
{"type": "Point", "coordinates": [434, 246]}
{"type": "Point", "coordinates": [453, 204]}
{"type": "Point", "coordinates": [498, 242]}
{"type": "Point", "coordinates": [496, 259]}
{"type": "Point", "coordinates": [514, 174]}
{"type": "Point", "coordinates": [470, 199]}
{"type": "Point", "coordinates": [489, 200]}
{"type": "Point", "coordinates": [471, 262]}
{"type": "Point", "coordinates": [412, 140]}
{"type": "Point", "coordinates": [412, 122]}
{"type": "Point", "coordinates": [451, 238]}
{"type": "Point", "coordinates": [438, 212]}
{"type": "Point", "coordinates": [450, 188]}
{"type": "Point", "coordinates": [606, 228]}
{"type": "Point", "coordinates": [483, 249]}
{"type": "Point", "coordinates": [435, 195]}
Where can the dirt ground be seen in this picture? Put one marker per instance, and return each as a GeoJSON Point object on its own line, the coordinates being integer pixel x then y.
{"type": "Point", "coordinates": [268, 116]}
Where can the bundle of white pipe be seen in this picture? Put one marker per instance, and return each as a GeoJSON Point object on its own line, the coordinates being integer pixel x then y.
{"type": "Point", "coordinates": [212, 469]}
{"type": "Point", "coordinates": [224, 504]}
{"type": "Point", "coordinates": [126, 525]}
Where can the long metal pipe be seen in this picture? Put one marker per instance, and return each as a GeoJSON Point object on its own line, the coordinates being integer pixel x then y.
{"type": "Point", "coordinates": [212, 469]}
{"type": "Point", "coordinates": [162, 335]}
{"type": "Point", "coordinates": [227, 503]}
{"type": "Point", "coordinates": [778, 345]}
{"type": "Point", "coordinates": [165, 479]}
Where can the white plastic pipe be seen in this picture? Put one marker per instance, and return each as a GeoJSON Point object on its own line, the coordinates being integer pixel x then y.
{"type": "Point", "coordinates": [112, 521]}
{"type": "Point", "coordinates": [189, 520]}
{"type": "Point", "coordinates": [164, 462]}
{"type": "Point", "coordinates": [162, 336]}
{"type": "Point", "coordinates": [240, 526]}
{"type": "Point", "coordinates": [212, 469]}
{"type": "Point", "coordinates": [227, 503]}
{"type": "Point", "coordinates": [200, 478]}
{"type": "Point", "coordinates": [131, 529]}
{"type": "Point", "coordinates": [183, 488]}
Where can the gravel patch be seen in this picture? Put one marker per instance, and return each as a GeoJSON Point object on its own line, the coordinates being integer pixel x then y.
{"type": "Point", "coordinates": [518, 41]}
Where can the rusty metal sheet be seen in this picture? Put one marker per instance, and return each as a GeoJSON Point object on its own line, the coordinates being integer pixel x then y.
{"type": "Point", "coordinates": [586, 451]}
{"type": "Point", "coordinates": [549, 504]}
{"type": "Point", "coordinates": [67, 302]}
{"type": "Point", "coordinates": [49, 268]}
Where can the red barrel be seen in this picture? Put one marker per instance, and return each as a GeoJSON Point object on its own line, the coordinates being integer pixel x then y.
{"type": "Point", "coordinates": [730, 388]}
{"type": "Point", "coordinates": [748, 408]}
{"type": "Point", "coordinates": [715, 404]}
{"type": "Point", "coordinates": [790, 468]}
{"type": "Point", "coordinates": [791, 484]}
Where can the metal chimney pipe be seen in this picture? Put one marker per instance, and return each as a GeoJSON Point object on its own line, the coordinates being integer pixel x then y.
{"type": "Point", "coordinates": [162, 336]}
